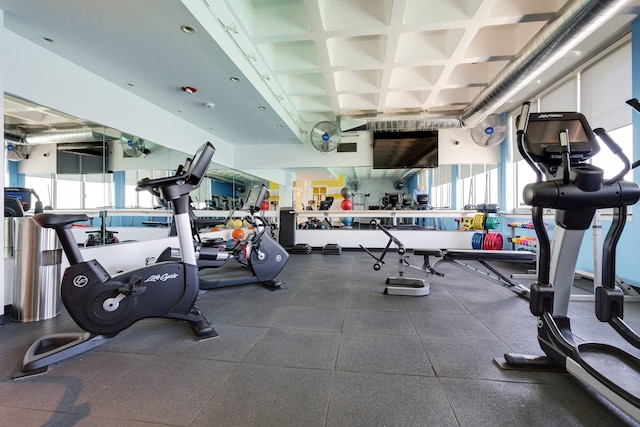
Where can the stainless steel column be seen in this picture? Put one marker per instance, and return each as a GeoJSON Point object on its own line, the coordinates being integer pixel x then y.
{"type": "Point", "coordinates": [37, 267]}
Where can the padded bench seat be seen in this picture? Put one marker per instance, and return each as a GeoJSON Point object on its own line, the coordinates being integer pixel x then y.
{"type": "Point", "coordinates": [428, 252]}
{"type": "Point", "coordinates": [495, 256]}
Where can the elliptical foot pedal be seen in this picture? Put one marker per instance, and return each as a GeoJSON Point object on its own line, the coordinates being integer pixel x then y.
{"type": "Point", "coordinates": [525, 362]}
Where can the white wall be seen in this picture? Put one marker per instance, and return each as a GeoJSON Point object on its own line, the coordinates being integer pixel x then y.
{"type": "Point", "coordinates": [33, 73]}
{"type": "Point", "coordinates": [465, 151]}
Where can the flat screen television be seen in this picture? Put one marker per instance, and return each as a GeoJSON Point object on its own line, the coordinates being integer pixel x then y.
{"type": "Point", "coordinates": [400, 150]}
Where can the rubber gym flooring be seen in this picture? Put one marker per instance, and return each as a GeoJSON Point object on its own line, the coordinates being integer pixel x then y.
{"type": "Point", "coordinates": [331, 350]}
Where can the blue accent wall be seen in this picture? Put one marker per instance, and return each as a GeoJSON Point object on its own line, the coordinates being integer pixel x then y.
{"type": "Point", "coordinates": [627, 256]}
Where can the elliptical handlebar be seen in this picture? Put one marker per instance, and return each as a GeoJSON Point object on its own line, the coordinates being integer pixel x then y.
{"type": "Point", "coordinates": [523, 122]}
{"type": "Point", "coordinates": [617, 150]}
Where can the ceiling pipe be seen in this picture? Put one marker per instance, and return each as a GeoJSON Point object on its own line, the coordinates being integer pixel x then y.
{"type": "Point", "coordinates": [575, 21]}
{"type": "Point", "coordinates": [68, 136]}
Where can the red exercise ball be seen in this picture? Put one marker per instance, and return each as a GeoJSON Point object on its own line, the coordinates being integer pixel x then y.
{"type": "Point", "coordinates": [237, 234]}
{"type": "Point", "coordinates": [346, 205]}
{"type": "Point", "coordinates": [265, 205]}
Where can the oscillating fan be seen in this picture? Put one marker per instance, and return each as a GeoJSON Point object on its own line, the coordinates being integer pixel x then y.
{"type": "Point", "coordinates": [325, 136]}
{"type": "Point", "coordinates": [490, 131]}
{"type": "Point", "coordinates": [132, 147]}
{"type": "Point", "coordinates": [15, 153]}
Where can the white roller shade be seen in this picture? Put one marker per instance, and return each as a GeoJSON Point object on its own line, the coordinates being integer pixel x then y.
{"type": "Point", "coordinates": [564, 97]}
{"type": "Point", "coordinates": [605, 86]}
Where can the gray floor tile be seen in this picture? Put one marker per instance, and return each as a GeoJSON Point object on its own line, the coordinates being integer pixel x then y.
{"type": "Point", "coordinates": [496, 403]}
{"type": "Point", "coordinates": [389, 354]}
{"type": "Point", "coordinates": [311, 319]}
{"type": "Point", "coordinates": [364, 399]}
{"type": "Point", "coordinates": [258, 395]}
{"type": "Point", "coordinates": [330, 350]}
{"type": "Point", "coordinates": [472, 358]}
{"type": "Point", "coordinates": [374, 301]}
{"type": "Point", "coordinates": [68, 384]}
{"type": "Point", "coordinates": [377, 322]}
{"type": "Point", "coordinates": [434, 303]}
{"type": "Point", "coordinates": [232, 344]}
{"type": "Point", "coordinates": [295, 348]}
{"type": "Point", "coordinates": [163, 390]}
{"type": "Point", "coordinates": [15, 416]}
{"type": "Point", "coordinates": [450, 326]}
{"type": "Point", "coordinates": [507, 327]}
{"type": "Point", "coordinates": [320, 298]}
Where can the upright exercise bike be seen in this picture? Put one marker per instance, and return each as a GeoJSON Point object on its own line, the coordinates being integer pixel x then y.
{"type": "Point", "coordinates": [557, 146]}
{"type": "Point", "coordinates": [103, 305]}
{"type": "Point", "coordinates": [264, 257]}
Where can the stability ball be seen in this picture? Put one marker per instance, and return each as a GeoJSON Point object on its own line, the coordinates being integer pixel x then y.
{"type": "Point", "coordinates": [346, 192]}
{"type": "Point", "coordinates": [346, 205]}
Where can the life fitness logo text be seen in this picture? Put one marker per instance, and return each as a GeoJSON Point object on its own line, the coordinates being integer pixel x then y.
{"type": "Point", "coordinates": [80, 281]}
{"type": "Point", "coordinates": [161, 277]}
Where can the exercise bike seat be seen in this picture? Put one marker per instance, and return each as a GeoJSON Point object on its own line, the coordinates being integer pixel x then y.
{"type": "Point", "coordinates": [53, 220]}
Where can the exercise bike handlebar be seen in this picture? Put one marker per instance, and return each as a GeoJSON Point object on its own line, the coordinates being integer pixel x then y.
{"type": "Point", "coordinates": [190, 174]}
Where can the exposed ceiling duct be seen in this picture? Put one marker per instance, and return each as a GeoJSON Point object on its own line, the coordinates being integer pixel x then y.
{"type": "Point", "coordinates": [572, 24]}
{"type": "Point", "coordinates": [69, 136]}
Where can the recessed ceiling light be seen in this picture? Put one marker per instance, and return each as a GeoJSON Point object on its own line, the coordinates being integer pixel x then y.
{"type": "Point", "coordinates": [234, 79]}
{"type": "Point", "coordinates": [130, 84]}
{"type": "Point", "coordinates": [279, 126]}
{"type": "Point", "coordinates": [47, 39]}
{"type": "Point", "coordinates": [188, 29]}
{"type": "Point", "coordinates": [262, 107]}
{"type": "Point", "coordinates": [209, 104]}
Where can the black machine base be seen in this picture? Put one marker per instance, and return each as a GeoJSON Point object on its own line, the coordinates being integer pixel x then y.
{"type": "Point", "coordinates": [54, 348]}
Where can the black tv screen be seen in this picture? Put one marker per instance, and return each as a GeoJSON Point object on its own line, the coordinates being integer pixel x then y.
{"type": "Point", "coordinates": [400, 150]}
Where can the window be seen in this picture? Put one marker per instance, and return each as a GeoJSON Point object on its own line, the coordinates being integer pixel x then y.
{"type": "Point", "coordinates": [609, 162]}
{"type": "Point", "coordinates": [441, 190]}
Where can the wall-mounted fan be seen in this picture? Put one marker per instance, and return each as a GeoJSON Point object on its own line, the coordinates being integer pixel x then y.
{"type": "Point", "coordinates": [325, 136]}
{"type": "Point", "coordinates": [355, 185]}
{"type": "Point", "coordinates": [398, 185]}
{"type": "Point", "coordinates": [490, 131]}
{"type": "Point", "coordinates": [15, 152]}
{"type": "Point", "coordinates": [133, 147]}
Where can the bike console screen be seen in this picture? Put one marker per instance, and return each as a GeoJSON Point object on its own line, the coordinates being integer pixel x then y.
{"type": "Point", "coordinates": [543, 137]}
{"type": "Point", "coordinates": [200, 163]}
{"type": "Point", "coordinates": [255, 198]}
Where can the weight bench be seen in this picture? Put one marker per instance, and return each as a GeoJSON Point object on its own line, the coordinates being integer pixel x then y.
{"type": "Point", "coordinates": [460, 258]}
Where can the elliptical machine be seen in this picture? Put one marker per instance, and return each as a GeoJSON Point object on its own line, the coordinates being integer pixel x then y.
{"type": "Point", "coordinates": [557, 147]}
{"type": "Point", "coordinates": [103, 305]}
